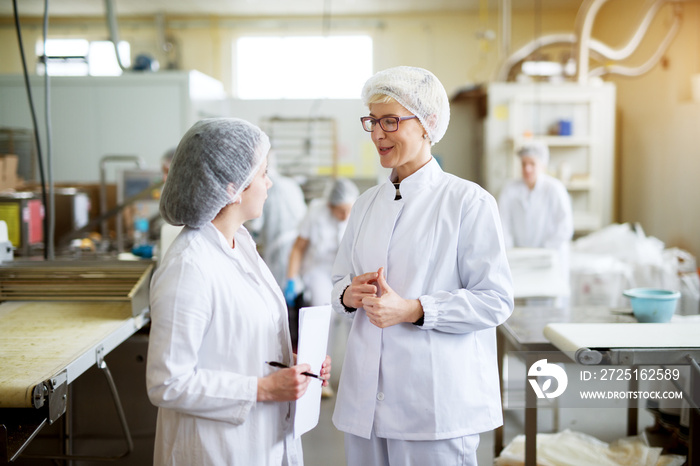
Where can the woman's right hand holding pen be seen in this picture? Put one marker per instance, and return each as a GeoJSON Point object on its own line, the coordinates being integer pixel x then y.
{"type": "Point", "coordinates": [362, 286]}
{"type": "Point", "coordinates": [284, 384]}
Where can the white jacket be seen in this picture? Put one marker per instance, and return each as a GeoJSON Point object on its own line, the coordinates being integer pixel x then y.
{"type": "Point", "coordinates": [277, 226]}
{"type": "Point", "coordinates": [217, 317]}
{"type": "Point", "coordinates": [537, 218]}
{"type": "Point", "coordinates": [441, 243]}
{"type": "Point", "coordinates": [324, 232]}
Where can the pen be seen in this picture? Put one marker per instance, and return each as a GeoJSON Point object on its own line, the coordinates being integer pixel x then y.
{"type": "Point", "coordinates": [284, 366]}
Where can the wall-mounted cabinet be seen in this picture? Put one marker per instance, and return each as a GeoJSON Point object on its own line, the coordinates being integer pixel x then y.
{"type": "Point", "coordinates": [576, 122]}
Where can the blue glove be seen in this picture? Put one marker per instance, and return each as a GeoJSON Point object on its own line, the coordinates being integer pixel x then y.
{"type": "Point", "coordinates": [144, 250]}
{"type": "Point", "coordinates": [289, 294]}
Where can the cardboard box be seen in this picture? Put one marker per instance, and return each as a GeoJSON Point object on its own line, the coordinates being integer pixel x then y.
{"type": "Point", "coordinates": [8, 171]}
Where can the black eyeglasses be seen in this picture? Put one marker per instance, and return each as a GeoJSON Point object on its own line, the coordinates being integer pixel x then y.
{"type": "Point", "coordinates": [388, 124]}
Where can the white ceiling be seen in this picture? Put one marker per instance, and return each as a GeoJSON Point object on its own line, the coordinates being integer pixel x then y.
{"type": "Point", "coordinates": [266, 7]}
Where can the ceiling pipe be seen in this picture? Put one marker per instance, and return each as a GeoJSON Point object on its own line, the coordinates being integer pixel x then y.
{"type": "Point", "coordinates": [596, 49]}
{"type": "Point", "coordinates": [505, 27]}
{"type": "Point", "coordinates": [583, 35]}
{"type": "Point", "coordinates": [627, 50]}
{"type": "Point", "coordinates": [113, 30]}
{"type": "Point", "coordinates": [528, 49]}
{"type": "Point", "coordinates": [653, 60]}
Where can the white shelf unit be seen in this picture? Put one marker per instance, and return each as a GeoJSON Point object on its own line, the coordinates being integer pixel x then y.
{"type": "Point", "coordinates": [583, 158]}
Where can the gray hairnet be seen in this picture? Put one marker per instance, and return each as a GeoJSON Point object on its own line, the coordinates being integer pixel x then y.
{"type": "Point", "coordinates": [419, 91]}
{"type": "Point", "coordinates": [212, 155]}
{"type": "Point", "coordinates": [343, 191]}
{"type": "Point", "coordinates": [535, 149]}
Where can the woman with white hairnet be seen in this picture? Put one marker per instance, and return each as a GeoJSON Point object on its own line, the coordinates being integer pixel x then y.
{"type": "Point", "coordinates": [536, 209]}
{"type": "Point", "coordinates": [423, 272]}
{"type": "Point", "coordinates": [217, 313]}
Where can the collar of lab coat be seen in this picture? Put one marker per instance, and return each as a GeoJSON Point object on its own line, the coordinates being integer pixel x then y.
{"type": "Point", "coordinates": [411, 186]}
{"type": "Point", "coordinates": [244, 253]}
{"type": "Point", "coordinates": [215, 235]}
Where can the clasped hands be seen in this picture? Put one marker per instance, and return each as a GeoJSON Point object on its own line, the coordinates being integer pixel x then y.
{"type": "Point", "coordinates": [383, 306]}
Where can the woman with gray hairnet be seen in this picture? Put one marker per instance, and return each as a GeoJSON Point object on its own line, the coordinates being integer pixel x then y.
{"type": "Point", "coordinates": [423, 272]}
{"type": "Point", "coordinates": [217, 313]}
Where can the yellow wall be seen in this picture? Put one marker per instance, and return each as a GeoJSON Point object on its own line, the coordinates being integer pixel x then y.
{"type": "Point", "coordinates": [659, 159]}
{"type": "Point", "coordinates": [659, 128]}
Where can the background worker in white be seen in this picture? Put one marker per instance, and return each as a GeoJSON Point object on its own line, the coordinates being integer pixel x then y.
{"type": "Point", "coordinates": [276, 228]}
{"type": "Point", "coordinates": [536, 209]}
{"type": "Point", "coordinates": [423, 271]}
{"type": "Point", "coordinates": [217, 313]}
{"type": "Point", "coordinates": [314, 252]}
{"type": "Point", "coordinates": [315, 248]}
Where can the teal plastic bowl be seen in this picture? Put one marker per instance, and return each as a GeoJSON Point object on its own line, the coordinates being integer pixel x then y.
{"type": "Point", "coordinates": [651, 305]}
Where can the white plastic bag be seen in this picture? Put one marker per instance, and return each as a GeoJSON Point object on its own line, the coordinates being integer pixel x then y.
{"type": "Point", "coordinates": [617, 257]}
{"type": "Point", "coordinates": [688, 281]}
{"type": "Point", "coordinates": [569, 448]}
{"type": "Point", "coordinates": [598, 280]}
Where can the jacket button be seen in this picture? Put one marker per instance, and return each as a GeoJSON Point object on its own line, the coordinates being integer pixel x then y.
{"type": "Point", "coordinates": [380, 396]}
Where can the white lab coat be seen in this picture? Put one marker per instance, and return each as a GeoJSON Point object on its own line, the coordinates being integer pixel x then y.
{"type": "Point", "coordinates": [537, 218]}
{"type": "Point", "coordinates": [442, 244]}
{"type": "Point", "coordinates": [324, 232]}
{"type": "Point", "coordinates": [217, 317]}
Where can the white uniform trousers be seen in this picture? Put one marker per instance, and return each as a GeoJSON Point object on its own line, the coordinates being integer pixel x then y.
{"type": "Point", "coordinates": [377, 451]}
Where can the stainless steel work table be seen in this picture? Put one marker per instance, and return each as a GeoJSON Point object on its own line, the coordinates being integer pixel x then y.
{"type": "Point", "coordinates": [525, 332]}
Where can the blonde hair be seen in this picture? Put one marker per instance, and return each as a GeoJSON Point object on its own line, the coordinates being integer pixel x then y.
{"type": "Point", "coordinates": [380, 99]}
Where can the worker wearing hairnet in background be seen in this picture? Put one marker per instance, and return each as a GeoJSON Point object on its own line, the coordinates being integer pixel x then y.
{"type": "Point", "coordinates": [536, 209]}
{"type": "Point", "coordinates": [165, 161]}
{"type": "Point", "coordinates": [315, 248]}
{"type": "Point", "coordinates": [217, 313]}
{"type": "Point", "coordinates": [423, 272]}
{"type": "Point", "coordinates": [160, 229]}
{"type": "Point", "coordinates": [276, 229]}
{"type": "Point", "coordinates": [312, 256]}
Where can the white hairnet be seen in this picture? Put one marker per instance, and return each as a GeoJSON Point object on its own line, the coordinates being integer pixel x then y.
{"type": "Point", "coordinates": [168, 156]}
{"type": "Point", "coordinates": [535, 149]}
{"type": "Point", "coordinates": [419, 91]}
{"type": "Point", "coordinates": [212, 155]}
{"type": "Point", "coordinates": [343, 191]}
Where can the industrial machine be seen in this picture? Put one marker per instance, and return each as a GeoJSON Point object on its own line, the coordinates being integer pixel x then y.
{"type": "Point", "coordinates": [57, 320]}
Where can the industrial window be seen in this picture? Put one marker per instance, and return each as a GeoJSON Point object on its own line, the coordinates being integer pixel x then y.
{"type": "Point", "coordinates": [80, 57]}
{"type": "Point", "coordinates": [302, 67]}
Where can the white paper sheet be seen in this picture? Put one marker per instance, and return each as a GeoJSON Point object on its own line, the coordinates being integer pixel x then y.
{"type": "Point", "coordinates": [314, 325]}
